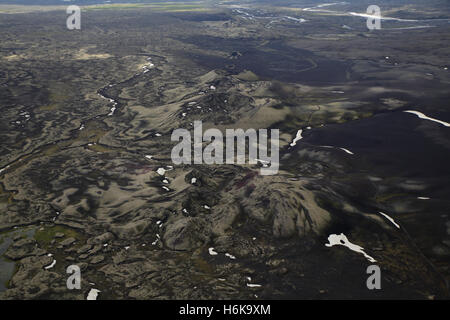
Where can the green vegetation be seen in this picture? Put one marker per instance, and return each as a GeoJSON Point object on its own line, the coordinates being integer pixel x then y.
{"type": "Point", "coordinates": [59, 95]}
{"type": "Point", "coordinates": [167, 6]}
{"type": "Point", "coordinates": [45, 236]}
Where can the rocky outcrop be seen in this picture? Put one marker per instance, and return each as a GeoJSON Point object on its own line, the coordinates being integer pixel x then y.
{"type": "Point", "coordinates": [186, 233]}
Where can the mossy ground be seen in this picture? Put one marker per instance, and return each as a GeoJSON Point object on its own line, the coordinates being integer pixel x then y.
{"type": "Point", "coordinates": [45, 235]}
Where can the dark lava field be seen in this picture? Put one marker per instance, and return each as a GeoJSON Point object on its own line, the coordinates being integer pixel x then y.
{"type": "Point", "coordinates": [87, 178]}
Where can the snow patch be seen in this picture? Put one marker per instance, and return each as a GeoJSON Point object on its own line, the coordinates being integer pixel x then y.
{"type": "Point", "coordinates": [423, 116]}
{"type": "Point", "coordinates": [51, 265]}
{"type": "Point", "coordinates": [297, 137]}
{"type": "Point", "coordinates": [93, 294]}
{"type": "Point", "coordinates": [253, 285]}
{"type": "Point", "coordinates": [390, 219]}
{"type": "Point", "coordinates": [346, 150]}
{"type": "Point", "coordinates": [341, 240]}
{"type": "Point", "coordinates": [230, 256]}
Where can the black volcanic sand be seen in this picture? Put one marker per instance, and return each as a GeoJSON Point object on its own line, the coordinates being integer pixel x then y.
{"type": "Point", "coordinates": [408, 152]}
{"type": "Point", "coordinates": [85, 180]}
{"type": "Point", "coordinates": [272, 61]}
{"type": "Point", "coordinates": [390, 144]}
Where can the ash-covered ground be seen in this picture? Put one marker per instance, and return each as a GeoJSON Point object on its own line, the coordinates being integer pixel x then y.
{"type": "Point", "coordinates": [87, 179]}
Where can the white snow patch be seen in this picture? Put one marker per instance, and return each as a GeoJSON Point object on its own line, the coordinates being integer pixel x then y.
{"type": "Point", "coordinates": [422, 116]}
{"type": "Point", "coordinates": [3, 169]}
{"type": "Point", "coordinates": [253, 285]}
{"type": "Point", "coordinates": [230, 256]}
{"type": "Point", "coordinates": [297, 137]}
{"type": "Point", "coordinates": [342, 240]}
{"type": "Point", "coordinates": [364, 15]}
{"type": "Point", "coordinates": [346, 150]}
{"type": "Point", "coordinates": [93, 294]}
{"type": "Point", "coordinates": [112, 111]}
{"type": "Point", "coordinates": [389, 218]}
{"type": "Point", "coordinates": [51, 265]}
{"type": "Point", "coordinates": [316, 8]}
{"type": "Point", "coordinates": [300, 20]}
